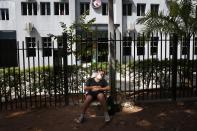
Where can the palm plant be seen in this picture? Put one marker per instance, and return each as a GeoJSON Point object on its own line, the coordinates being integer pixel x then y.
{"type": "Point", "coordinates": [180, 19]}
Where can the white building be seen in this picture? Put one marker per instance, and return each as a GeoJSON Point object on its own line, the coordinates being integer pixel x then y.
{"type": "Point", "coordinates": [32, 20]}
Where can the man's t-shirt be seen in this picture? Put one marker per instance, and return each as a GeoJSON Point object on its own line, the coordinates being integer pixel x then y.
{"type": "Point", "coordinates": [92, 82]}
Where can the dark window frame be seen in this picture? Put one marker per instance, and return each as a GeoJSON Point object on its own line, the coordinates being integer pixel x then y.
{"type": "Point", "coordinates": [104, 8]}
{"type": "Point", "coordinates": [155, 8]}
{"type": "Point", "coordinates": [127, 9]}
{"type": "Point", "coordinates": [154, 45]}
{"type": "Point", "coordinates": [4, 12]}
{"type": "Point", "coordinates": [127, 45]}
{"type": "Point", "coordinates": [29, 8]}
{"type": "Point", "coordinates": [61, 8]}
{"type": "Point", "coordinates": [45, 8]}
{"type": "Point", "coordinates": [30, 46]}
{"type": "Point", "coordinates": [140, 45]}
{"type": "Point", "coordinates": [84, 8]}
{"type": "Point", "coordinates": [47, 46]}
{"type": "Point", "coordinates": [141, 9]}
{"type": "Point", "coordinates": [195, 46]}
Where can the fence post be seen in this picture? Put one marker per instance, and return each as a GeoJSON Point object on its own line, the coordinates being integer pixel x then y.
{"type": "Point", "coordinates": [174, 66]}
{"type": "Point", "coordinates": [65, 62]}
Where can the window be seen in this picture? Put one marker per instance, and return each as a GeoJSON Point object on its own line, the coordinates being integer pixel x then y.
{"type": "Point", "coordinates": [141, 9]}
{"type": "Point", "coordinates": [104, 9]}
{"type": "Point", "coordinates": [61, 8]}
{"type": "Point", "coordinates": [195, 46]}
{"type": "Point", "coordinates": [84, 8]}
{"type": "Point", "coordinates": [8, 53]}
{"type": "Point", "coordinates": [127, 9]}
{"type": "Point", "coordinates": [184, 46]}
{"type": "Point", "coordinates": [30, 45]}
{"type": "Point", "coordinates": [155, 8]}
{"type": "Point", "coordinates": [60, 42]}
{"type": "Point", "coordinates": [4, 14]}
{"type": "Point", "coordinates": [46, 43]}
{"type": "Point", "coordinates": [127, 46]}
{"type": "Point", "coordinates": [45, 8]}
{"type": "Point", "coordinates": [29, 8]}
{"type": "Point", "coordinates": [86, 48]}
{"type": "Point", "coordinates": [102, 49]}
{"type": "Point", "coordinates": [196, 11]}
{"type": "Point", "coordinates": [171, 45]}
{"type": "Point", "coordinates": [154, 45]}
{"type": "Point", "coordinates": [140, 45]}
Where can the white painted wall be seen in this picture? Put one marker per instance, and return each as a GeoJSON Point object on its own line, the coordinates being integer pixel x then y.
{"type": "Point", "coordinates": [51, 24]}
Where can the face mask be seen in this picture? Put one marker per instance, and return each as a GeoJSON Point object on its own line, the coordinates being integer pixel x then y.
{"type": "Point", "coordinates": [99, 77]}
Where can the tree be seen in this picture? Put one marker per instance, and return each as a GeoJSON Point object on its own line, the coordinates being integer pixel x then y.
{"type": "Point", "coordinates": [180, 20]}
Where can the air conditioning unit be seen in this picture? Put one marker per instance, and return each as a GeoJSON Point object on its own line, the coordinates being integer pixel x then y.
{"type": "Point", "coordinates": [29, 27]}
{"type": "Point", "coordinates": [96, 3]}
{"type": "Point", "coordinates": [131, 26]}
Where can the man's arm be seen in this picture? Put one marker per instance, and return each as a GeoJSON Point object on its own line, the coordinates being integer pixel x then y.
{"type": "Point", "coordinates": [87, 88]}
{"type": "Point", "coordinates": [106, 88]}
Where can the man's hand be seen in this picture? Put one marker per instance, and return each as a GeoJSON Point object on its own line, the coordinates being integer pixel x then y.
{"type": "Point", "coordinates": [96, 88]}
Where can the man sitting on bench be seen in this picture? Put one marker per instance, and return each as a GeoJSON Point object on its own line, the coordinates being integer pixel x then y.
{"type": "Point", "coordinates": [95, 88]}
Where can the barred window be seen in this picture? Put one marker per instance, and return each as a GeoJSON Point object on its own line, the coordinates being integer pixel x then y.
{"type": "Point", "coordinates": [61, 8]}
{"type": "Point", "coordinates": [140, 45]}
{"type": "Point", "coordinates": [30, 46]}
{"type": "Point", "coordinates": [154, 45]}
{"type": "Point", "coordinates": [104, 9]}
{"type": "Point", "coordinates": [29, 8]}
{"type": "Point", "coordinates": [155, 8]}
{"type": "Point", "coordinates": [47, 46]}
{"type": "Point", "coordinates": [45, 8]}
{"type": "Point", "coordinates": [127, 9]}
{"type": "Point", "coordinates": [195, 46]}
{"type": "Point", "coordinates": [127, 46]}
{"type": "Point", "coordinates": [141, 9]}
{"type": "Point", "coordinates": [4, 14]}
{"type": "Point", "coordinates": [84, 8]}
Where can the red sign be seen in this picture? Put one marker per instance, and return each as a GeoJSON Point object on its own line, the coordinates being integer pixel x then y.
{"type": "Point", "coordinates": [96, 3]}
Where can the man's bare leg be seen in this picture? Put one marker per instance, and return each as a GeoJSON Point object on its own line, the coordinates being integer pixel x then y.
{"type": "Point", "coordinates": [102, 100]}
{"type": "Point", "coordinates": [85, 106]}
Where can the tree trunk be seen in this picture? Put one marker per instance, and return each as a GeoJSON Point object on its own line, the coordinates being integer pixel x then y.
{"type": "Point", "coordinates": [111, 46]}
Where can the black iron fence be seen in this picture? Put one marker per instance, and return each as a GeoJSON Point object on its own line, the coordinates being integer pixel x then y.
{"type": "Point", "coordinates": [52, 72]}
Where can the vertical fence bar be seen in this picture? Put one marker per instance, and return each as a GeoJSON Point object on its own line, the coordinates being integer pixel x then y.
{"type": "Point", "coordinates": [1, 94]}
{"type": "Point", "coordinates": [39, 74]}
{"type": "Point", "coordinates": [71, 73]}
{"type": "Point", "coordinates": [15, 100]}
{"type": "Point", "coordinates": [65, 47]}
{"type": "Point", "coordinates": [77, 67]}
{"type": "Point", "coordinates": [34, 80]}
{"type": "Point", "coordinates": [120, 61]}
{"type": "Point", "coordinates": [49, 73]}
{"type": "Point", "coordinates": [81, 55]}
{"type": "Point", "coordinates": [192, 64]}
{"type": "Point", "coordinates": [19, 74]}
{"type": "Point", "coordinates": [161, 66]}
{"type": "Point", "coordinates": [144, 68]}
{"type": "Point", "coordinates": [24, 74]}
{"type": "Point", "coordinates": [30, 84]}
{"type": "Point", "coordinates": [130, 66]}
{"type": "Point", "coordinates": [5, 92]}
{"type": "Point", "coordinates": [165, 61]}
{"type": "Point", "coordinates": [44, 76]}
{"type": "Point", "coordinates": [174, 66]}
{"type": "Point", "coordinates": [55, 73]}
{"type": "Point", "coordinates": [134, 67]}
{"type": "Point", "coordinates": [9, 90]}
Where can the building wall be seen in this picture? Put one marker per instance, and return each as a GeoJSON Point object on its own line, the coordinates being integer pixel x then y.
{"type": "Point", "coordinates": [50, 24]}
